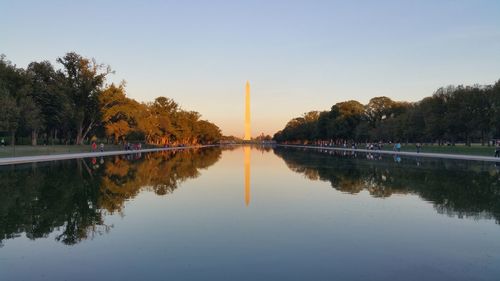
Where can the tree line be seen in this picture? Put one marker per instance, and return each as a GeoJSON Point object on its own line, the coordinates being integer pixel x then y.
{"type": "Point", "coordinates": [452, 114]}
{"type": "Point", "coordinates": [74, 104]}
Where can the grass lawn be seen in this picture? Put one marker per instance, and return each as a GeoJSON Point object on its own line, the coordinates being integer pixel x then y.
{"type": "Point", "coordinates": [28, 150]}
{"type": "Point", "coordinates": [474, 149]}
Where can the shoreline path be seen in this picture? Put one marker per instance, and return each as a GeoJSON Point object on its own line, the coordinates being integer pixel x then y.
{"type": "Point", "coordinates": [401, 153]}
{"type": "Point", "coordinates": [66, 156]}
{"type": "Point", "coordinates": [55, 157]}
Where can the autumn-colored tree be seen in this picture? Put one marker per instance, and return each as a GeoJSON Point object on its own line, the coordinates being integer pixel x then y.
{"type": "Point", "coordinates": [118, 112]}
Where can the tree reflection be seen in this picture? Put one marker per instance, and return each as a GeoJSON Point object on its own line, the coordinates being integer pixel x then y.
{"type": "Point", "coordinates": [161, 172]}
{"type": "Point", "coordinates": [456, 188]}
{"type": "Point", "coordinates": [71, 198]}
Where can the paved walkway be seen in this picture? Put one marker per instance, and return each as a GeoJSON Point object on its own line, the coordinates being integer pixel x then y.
{"type": "Point", "coordinates": [45, 158]}
{"type": "Point", "coordinates": [401, 153]}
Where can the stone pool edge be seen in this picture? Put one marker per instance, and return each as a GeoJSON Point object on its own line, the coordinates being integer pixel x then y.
{"type": "Point", "coordinates": [56, 157]}
{"type": "Point", "coordinates": [401, 153]}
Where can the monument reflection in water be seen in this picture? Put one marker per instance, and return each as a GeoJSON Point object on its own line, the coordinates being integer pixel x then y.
{"type": "Point", "coordinates": [246, 151]}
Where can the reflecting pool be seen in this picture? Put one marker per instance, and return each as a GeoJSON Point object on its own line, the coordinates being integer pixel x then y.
{"type": "Point", "coordinates": [250, 213]}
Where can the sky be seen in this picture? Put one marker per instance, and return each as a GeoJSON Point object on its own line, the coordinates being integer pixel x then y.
{"type": "Point", "coordinates": [298, 55]}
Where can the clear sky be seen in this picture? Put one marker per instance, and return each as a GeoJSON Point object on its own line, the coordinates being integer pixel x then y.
{"type": "Point", "coordinates": [298, 55]}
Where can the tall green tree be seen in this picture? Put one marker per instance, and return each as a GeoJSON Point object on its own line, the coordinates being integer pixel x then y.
{"type": "Point", "coordinates": [9, 118]}
{"type": "Point", "coordinates": [31, 118]}
{"type": "Point", "coordinates": [47, 91]}
{"type": "Point", "coordinates": [84, 81]}
{"type": "Point", "coordinates": [12, 86]}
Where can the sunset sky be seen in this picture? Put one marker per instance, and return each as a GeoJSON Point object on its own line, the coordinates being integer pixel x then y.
{"type": "Point", "coordinates": [298, 55]}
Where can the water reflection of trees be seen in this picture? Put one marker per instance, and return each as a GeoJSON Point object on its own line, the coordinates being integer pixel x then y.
{"type": "Point", "coordinates": [162, 173]}
{"type": "Point", "coordinates": [73, 197]}
{"type": "Point", "coordinates": [456, 188]}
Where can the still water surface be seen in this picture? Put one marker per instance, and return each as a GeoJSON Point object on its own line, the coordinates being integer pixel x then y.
{"type": "Point", "coordinates": [246, 213]}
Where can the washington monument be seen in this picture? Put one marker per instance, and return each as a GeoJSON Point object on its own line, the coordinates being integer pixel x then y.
{"type": "Point", "coordinates": [248, 134]}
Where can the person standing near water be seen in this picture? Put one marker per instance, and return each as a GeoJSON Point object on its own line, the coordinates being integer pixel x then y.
{"type": "Point", "coordinates": [3, 142]}
{"type": "Point", "coordinates": [419, 146]}
{"type": "Point", "coordinates": [497, 149]}
{"type": "Point", "coordinates": [102, 147]}
{"type": "Point", "coordinates": [94, 146]}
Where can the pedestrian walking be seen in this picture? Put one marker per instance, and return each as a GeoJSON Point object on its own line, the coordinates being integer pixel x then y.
{"type": "Point", "coordinates": [94, 146]}
{"type": "Point", "coordinates": [102, 147]}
